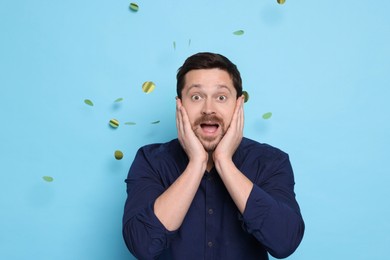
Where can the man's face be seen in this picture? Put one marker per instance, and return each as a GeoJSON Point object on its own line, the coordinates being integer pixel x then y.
{"type": "Point", "coordinates": [209, 98]}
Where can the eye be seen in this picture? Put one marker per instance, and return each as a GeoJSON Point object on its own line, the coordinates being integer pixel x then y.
{"type": "Point", "coordinates": [222, 98]}
{"type": "Point", "coordinates": [196, 97]}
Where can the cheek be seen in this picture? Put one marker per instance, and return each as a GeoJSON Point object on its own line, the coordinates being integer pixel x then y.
{"type": "Point", "coordinates": [191, 113]}
{"type": "Point", "coordinates": [228, 117]}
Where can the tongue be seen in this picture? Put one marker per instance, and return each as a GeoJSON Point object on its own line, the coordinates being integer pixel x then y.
{"type": "Point", "coordinates": [209, 128]}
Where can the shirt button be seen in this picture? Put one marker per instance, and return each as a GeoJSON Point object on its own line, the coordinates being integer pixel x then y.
{"type": "Point", "coordinates": [210, 244]}
{"type": "Point", "coordinates": [211, 211]}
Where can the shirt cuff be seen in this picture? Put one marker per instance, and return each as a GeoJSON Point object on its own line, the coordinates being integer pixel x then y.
{"type": "Point", "coordinates": [257, 209]}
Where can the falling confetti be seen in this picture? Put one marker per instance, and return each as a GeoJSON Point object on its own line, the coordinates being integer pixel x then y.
{"type": "Point", "coordinates": [174, 45]}
{"type": "Point", "coordinates": [88, 102]}
{"type": "Point", "coordinates": [130, 123]}
{"type": "Point", "coordinates": [239, 32]}
{"type": "Point", "coordinates": [246, 96]}
{"type": "Point", "coordinates": [189, 42]}
{"type": "Point", "coordinates": [281, 1]}
{"type": "Point", "coordinates": [134, 7]}
{"type": "Point", "coordinates": [267, 115]}
{"type": "Point", "coordinates": [47, 178]}
{"type": "Point", "coordinates": [118, 100]}
{"type": "Point", "coordinates": [155, 122]}
{"type": "Point", "coordinates": [148, 87]}
{"type": "Point", "coordinates": [118, 155]}
{"type": "Point", "coordinates": [114, 123]}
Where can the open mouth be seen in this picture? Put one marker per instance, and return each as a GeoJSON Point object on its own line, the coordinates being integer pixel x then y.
{"type": "Point", "coordinates": [209, 128]}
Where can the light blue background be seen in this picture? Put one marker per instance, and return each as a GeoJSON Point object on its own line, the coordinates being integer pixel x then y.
{"type": "Point", "coordinates": [321, 68]}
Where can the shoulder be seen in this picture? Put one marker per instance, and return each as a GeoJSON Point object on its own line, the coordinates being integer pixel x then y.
{"type": "Point", "coordinates": [166, 160]}
{"type": "Point", "coordinates": [158, 150]}
{"type": "Point", "coordinates": [260, 161]}
{"type": "Point", "coordinates": [249, 147]}
{"type": "Point", "coordinates": [162, 153]}
{"type": "Point", "coordinates": [251, 152]}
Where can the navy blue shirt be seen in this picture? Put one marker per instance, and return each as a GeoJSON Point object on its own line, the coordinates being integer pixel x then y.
{"type": "Point", "coordinates": [214, 228]}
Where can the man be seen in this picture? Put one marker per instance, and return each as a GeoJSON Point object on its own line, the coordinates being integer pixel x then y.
{"type": "Point", "coordinates": [211, 193]}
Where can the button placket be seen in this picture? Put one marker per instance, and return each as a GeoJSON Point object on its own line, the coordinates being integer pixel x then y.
{"type": "Point", "coordinates": [209, 212]}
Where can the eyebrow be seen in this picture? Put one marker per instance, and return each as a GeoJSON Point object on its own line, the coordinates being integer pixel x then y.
{"type": "Point", "coordinates": [200, 86]}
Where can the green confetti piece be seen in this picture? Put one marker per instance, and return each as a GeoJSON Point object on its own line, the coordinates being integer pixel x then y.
{"type": "Point", "coordinates": [267, 115]}
{"type": "Point", "coordinates": [239, 32]}
{"type": "Point", "coordinates": [118, 155]}
{"type": "Point", "coordinates": [130, 123]}
{"type": "Point", "coordinates": [155, 122]}
{"type": "Point", "coordinates": [114, 123]}
{"type": "Point", "coordinates": [118, 100]}
{"type": "Point", "coordinates": [246, 96]}
{"type": "Point", "coordinates": [148, 87]}
{"type": "Point", "coordinates": [134, 7]}
{"type": "Point", "coordinates": [174, 45]}
{"type": "Point", "coordinates": [281, 1]}
{"type": "Point", "coordinates": [88, 102]}
{"type": "Point", "coordinates": [47, 178]}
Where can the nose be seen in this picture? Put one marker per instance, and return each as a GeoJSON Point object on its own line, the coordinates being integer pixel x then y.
{"type": "Point", "coordinates": [208, 107]}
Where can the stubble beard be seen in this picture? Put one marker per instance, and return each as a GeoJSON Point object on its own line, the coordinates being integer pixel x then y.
{"type": "Point", "coordinates": [209, 143]}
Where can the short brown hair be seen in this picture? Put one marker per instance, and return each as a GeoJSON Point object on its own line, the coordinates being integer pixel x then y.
{"type": "Point", "coordinates": [208, 60]}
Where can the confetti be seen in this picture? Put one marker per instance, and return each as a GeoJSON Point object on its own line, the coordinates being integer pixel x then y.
{"type": "Point", "coordinates": [174, 45]}
{"type": "Point", "coordinates": [239, 32]}
{"type": "Point", "coordinates": [118, 100]}
{"type": "Point", "coordinates": [246, 96]}
{"type": "Point", "coordinates": [155, 122]}
{"type": "Point", "coordinates": [88, 102]}
{"type": "Point", "coordinates": [114, 123]}
{"type": "Point", "coordinates": [134, 7]}
{"type": "Point", "coordinates": [47, 178]}
{"type": "Point", "coordinates": [267, 115]}
{"type": "Point", "coordinates": [148, 87]}
{"type": "Point", "coordinates": [189, 42]}
{"type": "Point", "coordinates": [130, 123]}
{"type": "Point", "coordinates": [118, 155]}
{"type": "Point", "coordinates": [281, 1]}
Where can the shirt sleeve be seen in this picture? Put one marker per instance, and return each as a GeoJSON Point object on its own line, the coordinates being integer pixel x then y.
{"type": "Point", "coordinates": [144, 235]}
{"type": "Point", "coordinates": [272, 213]}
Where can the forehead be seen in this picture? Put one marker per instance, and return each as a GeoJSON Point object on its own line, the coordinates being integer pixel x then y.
{"type": "Point", "coordinates": [208, 79]}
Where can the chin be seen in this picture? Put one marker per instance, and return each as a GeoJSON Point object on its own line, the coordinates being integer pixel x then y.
{"type": "Point", "coordinates": [210, 145]}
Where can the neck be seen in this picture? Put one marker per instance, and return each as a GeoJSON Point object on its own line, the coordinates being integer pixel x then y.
{"type": "Point", "coordinates": [210, 162]}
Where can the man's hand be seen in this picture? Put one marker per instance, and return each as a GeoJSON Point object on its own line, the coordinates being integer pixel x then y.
{"type": "Point", "coordinates": [172, 205]}
{"type": "Point", "coordinates": [237, 184]}
{"type": "Point", "coordinates": [232, 139]}
{"type": "Point", "coordinates": [187, 138]}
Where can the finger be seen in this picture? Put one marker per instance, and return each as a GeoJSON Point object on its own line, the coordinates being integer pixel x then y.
{"type": "Point", "coordinates": [236, 118]}
{"type": "Point", "coordinates": [185, 120]}
{"type": "Point", "coordinates": [179, 118]}
{"type": "Point", "coordinates": [242, 113]}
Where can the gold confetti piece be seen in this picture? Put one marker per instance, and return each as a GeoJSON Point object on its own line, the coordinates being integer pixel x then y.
{"type": "Point", "coordinates": [118, 100]}
{"type": "Point", "coordinates": [239, 32]}
{"type": "Point", "coordinates": [155, 122]}
{"type": "Point", "coordinates": [114, 123]}
{"type": "Point", "coordinates": [88, 102]}
{"type": "Point", "coordinates": [267, 115]}
{"type": "Point", "coordinates": [148, 87]}
{"type": "Point", "coordinates": [47, 178]}
{"type": "Point", "coordinates": [134, 7]}
{"type": "Point", "coordinates": [118, 155]}
{"type": "Point", "coordinates": [130, 123]}
{"type": "Point", "coordinates": [281, 1]}
{"type": "Point", "coordinates": [246, 96]}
